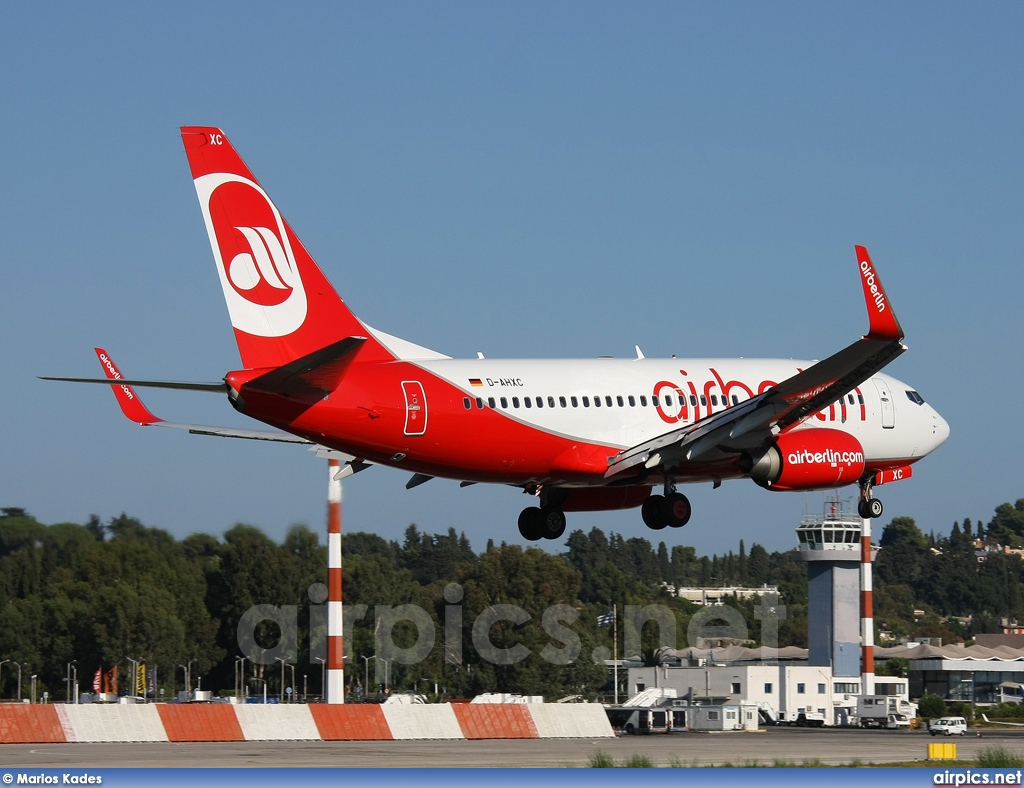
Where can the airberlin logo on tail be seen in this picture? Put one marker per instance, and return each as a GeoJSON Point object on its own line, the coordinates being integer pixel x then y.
{"type": "Point", "coordinates": [263, 264]}
{"type": "Point", "coordinates": [875, 291]}
{"type": "Point", "coordinates": [255, 261]}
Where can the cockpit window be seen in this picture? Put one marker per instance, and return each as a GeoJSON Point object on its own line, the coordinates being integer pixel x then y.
{"type": "Point", "coordinates": [913, 396]}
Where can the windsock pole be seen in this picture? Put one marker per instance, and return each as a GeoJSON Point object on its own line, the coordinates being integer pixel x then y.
{"type": "Point", "coordinates": [335, 689]}
{"type": "Point", "coordinates": [867, 624]}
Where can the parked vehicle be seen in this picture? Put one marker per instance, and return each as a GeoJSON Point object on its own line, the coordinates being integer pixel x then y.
{"type": "Point", "coordinates": [897, 721]}
{"type": "Point", "coordinates": [951, 726]}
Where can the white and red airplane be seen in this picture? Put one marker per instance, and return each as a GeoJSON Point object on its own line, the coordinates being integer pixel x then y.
{"type": "Point", "coordinates": [578, 435]}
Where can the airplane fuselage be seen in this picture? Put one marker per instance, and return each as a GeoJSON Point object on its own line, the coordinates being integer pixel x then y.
{"type": "Point", "coordinates": [558, 421]}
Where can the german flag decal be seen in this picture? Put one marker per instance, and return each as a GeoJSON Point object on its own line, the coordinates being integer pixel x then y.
{"type": "Point", "coordinates": [474, 382]}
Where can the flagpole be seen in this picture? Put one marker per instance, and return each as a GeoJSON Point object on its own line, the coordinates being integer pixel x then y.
{"type": "Point", "coordinates": [615, 650]}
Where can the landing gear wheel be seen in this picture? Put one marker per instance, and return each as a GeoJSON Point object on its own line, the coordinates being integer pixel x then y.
{"type": "Point", "coordinates": [870, 509]}
{"type": "Point", "coordinates": [677, 510]}
{"type": "Point", "coordinates": [530, 525]}
{"type": "Point", "coordinates": [552, 522]}
{"type": "Point", "coordinates": [653, 512]}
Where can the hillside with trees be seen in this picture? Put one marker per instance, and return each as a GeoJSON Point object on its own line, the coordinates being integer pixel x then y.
{"type": "Point", "coordinates": [100, 593]}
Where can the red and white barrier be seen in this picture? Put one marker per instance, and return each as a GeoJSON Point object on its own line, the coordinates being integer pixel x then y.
{"type": "Point", "coordinates": [277, 723]}
{"type": "Point", "coordinates": [495, 720]}
{"type": "Point", "coordinates": [200, 722]}
{"type": "Point", "coordinates": [351, 722]}
{"type": "Point", "coordinates": [570, 720]}
{"type": "Point", "coordinates": [96, 722]}
{"type": "Point", "coordinates": [422, 721]}
{"type": "Point", "coordinates": [29, 724]}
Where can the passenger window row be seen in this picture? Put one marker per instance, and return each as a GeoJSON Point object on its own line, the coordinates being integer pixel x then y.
{"type": "Point", "coordinates": [606, 401]}
{"type": "Point", "coordinates": [619, 400]}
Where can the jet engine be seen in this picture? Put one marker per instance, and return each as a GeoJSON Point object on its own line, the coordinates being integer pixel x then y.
{"type": "Point", "coordinates": [807, 459]}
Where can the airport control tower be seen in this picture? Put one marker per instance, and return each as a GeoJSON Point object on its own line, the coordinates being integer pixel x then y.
{"type": "Point", "coordinates": [831, 544]}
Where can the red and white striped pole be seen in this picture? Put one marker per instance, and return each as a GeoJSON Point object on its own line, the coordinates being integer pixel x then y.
{"type": "Point", "coordinates": [867, 624]}
{"type": "Point", "coordinates": [335, 689]}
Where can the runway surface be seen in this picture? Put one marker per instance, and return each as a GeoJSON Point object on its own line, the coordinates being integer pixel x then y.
{"type": "Point", "coordinates": [777, 746]}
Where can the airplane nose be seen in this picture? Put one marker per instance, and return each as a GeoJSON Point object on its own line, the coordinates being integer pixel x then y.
{"type": "Point", "coordinates": [940, 430]}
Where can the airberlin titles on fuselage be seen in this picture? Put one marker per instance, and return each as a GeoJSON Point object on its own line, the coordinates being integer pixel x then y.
{"type": "Point", "coordinates": [691, 401]}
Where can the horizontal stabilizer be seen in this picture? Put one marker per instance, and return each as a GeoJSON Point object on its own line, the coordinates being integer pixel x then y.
{"type": "Point", "coordinates": [320, 371]}
{"type": "Point", "coordinates": [218, 388]}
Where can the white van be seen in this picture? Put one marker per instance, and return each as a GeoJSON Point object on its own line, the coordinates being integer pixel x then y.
{"type": "Point", "coordinates": [948, 725]}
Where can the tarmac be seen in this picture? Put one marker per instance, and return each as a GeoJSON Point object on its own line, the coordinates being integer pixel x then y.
{"type": "Point", "coordinates": [771, 747]}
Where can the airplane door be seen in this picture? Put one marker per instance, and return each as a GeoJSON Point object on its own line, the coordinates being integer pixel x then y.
{"type": "Point", "coordinates": [888, 410]}
{"type": "Point", "coordinates": [415, 407]}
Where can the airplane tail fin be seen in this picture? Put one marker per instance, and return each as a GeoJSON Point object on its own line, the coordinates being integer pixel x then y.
{"type": "Point", "coordinates": [281, 305]}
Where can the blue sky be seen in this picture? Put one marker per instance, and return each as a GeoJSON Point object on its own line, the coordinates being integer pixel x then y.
{"type": "Point", "coordinates": [524, 179]}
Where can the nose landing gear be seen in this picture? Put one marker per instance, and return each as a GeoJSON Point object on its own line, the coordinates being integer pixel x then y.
{"type": "Point", "coordinates": [869, 508]}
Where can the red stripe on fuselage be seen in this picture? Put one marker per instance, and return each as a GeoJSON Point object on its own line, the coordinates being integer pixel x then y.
{"type": "Point", "coordinates": [366, 416]}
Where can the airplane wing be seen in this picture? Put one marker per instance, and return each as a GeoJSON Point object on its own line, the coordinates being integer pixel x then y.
{"type": "Point", "coordinates": [750, 424]}
{"type": "Point", "coordinates": [134, 409]}
{"type": "Point", "coordinates": [996, 722]}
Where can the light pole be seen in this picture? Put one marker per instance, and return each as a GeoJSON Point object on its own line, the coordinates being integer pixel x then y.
{"type": "Point", "coordinates": [19, 680]}
{"type": "Point", "coordinates": [33, 688]}
{"type": "Point", "coordinates": [366, 673]}
{"type": "Point", "coordinates": [135, 674]}
{"type": "Point", "coordinates": [72, 683]}
{"type": "Point", "coordinates": [1, 678]}
{"type": "Point", "coordinates": [294, 688]}
{"type": "Point", "coordinates": [239, 675]}
{"type": "Point", "coordinates": [281, 660]}
{"type": "Point", "coordinates": [970, 683]}
{"type": "Point", "coordinates": [184, 670]}
{"type": "Point", "coordinates": [323, 678]}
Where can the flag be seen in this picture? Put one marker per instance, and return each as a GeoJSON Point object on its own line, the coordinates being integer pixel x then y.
{"type": "Point", "coordinates": [110, 680]}
{"type": "Point", "coordinates": [97, 680]}
{"type": "Point", "coordinates": [140, 679]}
{"type": "Point", "coordinates": [606, 619]}
{"type": "Point", "coordinates": [151, 682]}
{"type": "Point", "coordinates": [474, 382]}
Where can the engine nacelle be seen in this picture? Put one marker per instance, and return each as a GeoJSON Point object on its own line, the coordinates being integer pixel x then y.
{"type": "Point", "coordinates": [809, 459]}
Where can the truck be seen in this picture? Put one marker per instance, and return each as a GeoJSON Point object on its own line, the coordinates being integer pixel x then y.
{"type": "Point", "coordinates": [633, 720]}
{"type": "Point", "coordinates": [878, 711]}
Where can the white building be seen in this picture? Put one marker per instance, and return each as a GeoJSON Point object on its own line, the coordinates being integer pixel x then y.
{"type": "Point", "coordinates": [782, 691]}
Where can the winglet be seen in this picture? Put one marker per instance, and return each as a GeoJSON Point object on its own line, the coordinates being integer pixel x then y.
{"type": "Point", "coordinates": [881, 319]}
{"type": "Point", "coordinates": [129, 401]}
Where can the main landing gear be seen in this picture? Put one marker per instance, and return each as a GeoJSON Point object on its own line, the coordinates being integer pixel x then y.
{"type": "Point", "coordinates": [671, 509]}
{"type": "Point", "coordinates": [547, 522]}
{"type": "Point", "coordinates": [869, 508]}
